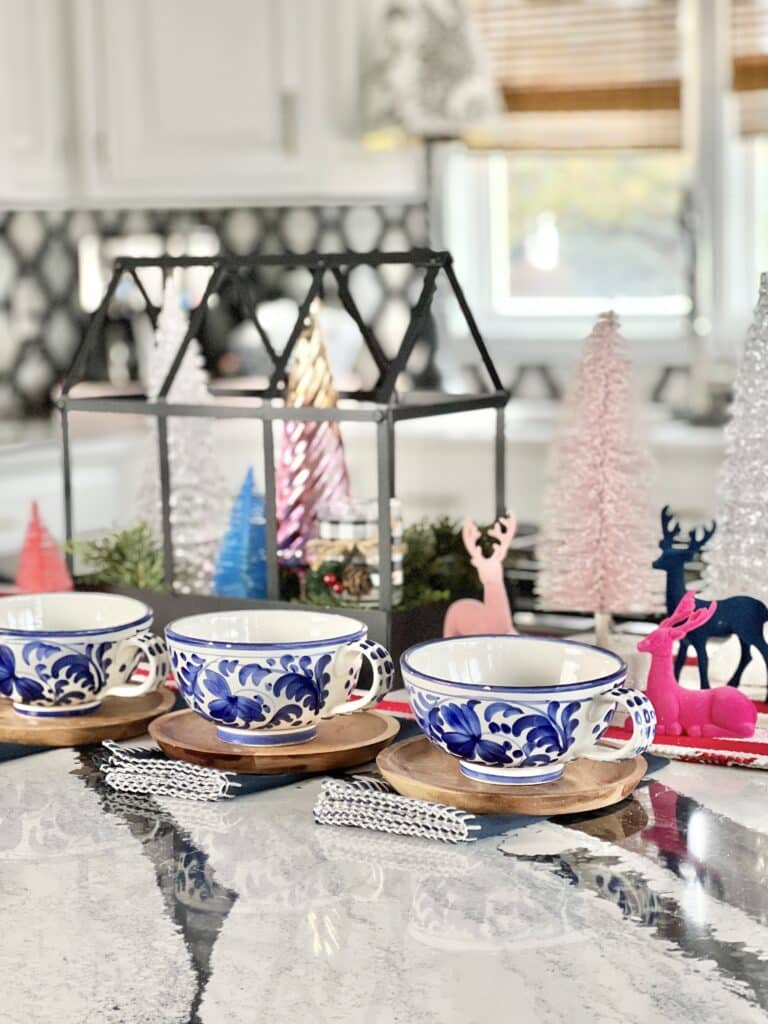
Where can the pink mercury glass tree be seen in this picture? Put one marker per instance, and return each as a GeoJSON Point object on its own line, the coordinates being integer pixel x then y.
{"type": "Point", "coordinates": [598, 530]}
{"type": "Point", "coordinates": [311, 470]}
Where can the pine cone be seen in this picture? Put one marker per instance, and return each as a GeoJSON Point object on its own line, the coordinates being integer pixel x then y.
{"type": "Point", "coordinates": [357, 582]}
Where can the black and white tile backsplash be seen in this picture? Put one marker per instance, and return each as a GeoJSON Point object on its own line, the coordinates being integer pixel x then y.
{"type": "Point", "coordinates": [41, 316]}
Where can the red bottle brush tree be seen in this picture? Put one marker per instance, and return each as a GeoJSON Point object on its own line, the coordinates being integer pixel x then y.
{"type": "Point", "coordinates": [598, 534]}
{"type": "Point", "coordinates": [41, 565]}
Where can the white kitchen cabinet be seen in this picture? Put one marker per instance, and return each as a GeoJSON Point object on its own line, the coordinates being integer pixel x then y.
{"type": "Point", "coordinates": [349, 169]}
{"type": "Point", "coordinates": [37, 145]}
{"type": "Point", "coordinates": [188, 101]}
{"type": "Point", "coordinates": [188, 98]}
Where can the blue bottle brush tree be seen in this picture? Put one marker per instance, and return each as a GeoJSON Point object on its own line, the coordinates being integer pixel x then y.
{"type": "Point", "coordinates": [241, 568]}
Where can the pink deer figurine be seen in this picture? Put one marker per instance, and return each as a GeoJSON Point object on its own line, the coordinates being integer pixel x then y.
{"type": "Point", "coordinates": [469, 617]}
{"type": "Point", "coordinates": [723, 711]}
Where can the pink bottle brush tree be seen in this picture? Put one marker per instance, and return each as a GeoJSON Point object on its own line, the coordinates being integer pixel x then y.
{"type": "Point", "coordinates": [598, 530]}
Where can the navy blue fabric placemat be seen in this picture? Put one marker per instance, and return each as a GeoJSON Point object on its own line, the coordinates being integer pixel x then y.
{"type": "Point", "coordinates": [10, 751]}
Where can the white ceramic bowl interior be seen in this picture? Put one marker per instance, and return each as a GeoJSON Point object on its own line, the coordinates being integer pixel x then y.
{"type": "Point", "coordinates": [70, 613]}
{"type": "Point", "coordinates": [511, 662]}
{"type": "Point", "coordinates": [256, 628]}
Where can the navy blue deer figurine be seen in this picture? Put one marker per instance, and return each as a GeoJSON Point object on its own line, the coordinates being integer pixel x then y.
{"type": "Point", "coordinates": [742, 616]}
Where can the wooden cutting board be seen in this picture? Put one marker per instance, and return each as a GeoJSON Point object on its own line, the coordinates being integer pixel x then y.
{"type": "Point", "coordinates": [417, 768]}
{"type": "Point", "coordinates": [341, 742]}
{"type": "Point", "coordinates": [118, 718]}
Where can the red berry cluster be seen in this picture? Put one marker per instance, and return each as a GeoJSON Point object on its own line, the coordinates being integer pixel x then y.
{"type": "Point", "coordinates": [332, 581]}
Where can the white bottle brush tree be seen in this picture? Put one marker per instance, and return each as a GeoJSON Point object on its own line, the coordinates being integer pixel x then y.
{"type": "Point", "coordinates": [196, 485]}
{"type": "Point", "coordinates": [599, 523]}
{"type": "Point", "coordinates": [737, 557]}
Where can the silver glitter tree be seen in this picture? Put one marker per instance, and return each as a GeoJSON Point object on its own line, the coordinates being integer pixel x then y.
{"type": "Point", "coordinates": [196, 506]}
{"type": "Point", "coordinates": [737, 557]}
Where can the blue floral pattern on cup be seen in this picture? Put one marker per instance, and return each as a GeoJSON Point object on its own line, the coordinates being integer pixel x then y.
{"type": "Point", "coordinates": [501, 732]}
{"type": "Point", "coordinates": [515, 732]}
{"type": "Point", "coordinates": [263, 691]}
{"type": "Point", "coordinates": [49, 672]}
{"type": "Point", "coordinates": [287, 690]}
{"type": "Point", "coordinates": [496, 732]}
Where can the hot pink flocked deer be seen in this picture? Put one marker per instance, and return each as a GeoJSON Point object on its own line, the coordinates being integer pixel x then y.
{"type": "Point", "coordinates": [468, 617]}
{"type": "Point", "coordinates": [723, 711]}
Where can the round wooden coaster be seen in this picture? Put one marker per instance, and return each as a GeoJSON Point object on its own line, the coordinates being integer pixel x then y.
{"type": "Point", "coordinates": [118, 718]}
{"type": "Point", "coordinates": [341, 742]}
{"type": "Point", "coordinates": [417, 768]}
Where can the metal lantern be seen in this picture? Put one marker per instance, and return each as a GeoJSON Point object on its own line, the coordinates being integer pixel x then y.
{"type": "Point", "coordinates": [382, 405]}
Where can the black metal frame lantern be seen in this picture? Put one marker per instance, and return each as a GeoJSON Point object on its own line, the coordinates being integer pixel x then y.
{"type": "Point", "coordinates": [382, 405]}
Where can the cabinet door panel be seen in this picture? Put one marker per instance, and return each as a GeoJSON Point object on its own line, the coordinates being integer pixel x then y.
{"type": "Point", "coordinates": [36, 143]}
{"type": "Point", "coordinates": [192, 101]}
{"type": "Point", "coordinates": [193, 91]}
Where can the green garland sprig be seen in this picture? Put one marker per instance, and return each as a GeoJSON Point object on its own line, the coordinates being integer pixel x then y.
{"type": "Point", "coordinates": [436, 568]}
{"type": "Point", "coordinates": [127, 558]}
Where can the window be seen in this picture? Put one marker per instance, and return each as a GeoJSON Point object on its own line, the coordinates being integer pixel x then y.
{"type": "Point", "coordinates": [629, 169]}
{"type": "Point", "coordinates": [749, 48]}
{"type": "Point", "coordinates": [749, 51]}
{"type": "Point", "coordinates": [574, 233]}
{"type": "Point", "coordinates": [760, 200]}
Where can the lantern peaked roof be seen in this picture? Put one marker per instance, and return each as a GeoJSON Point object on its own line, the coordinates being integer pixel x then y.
{"type": "Point", "coordinates": [241, 276]}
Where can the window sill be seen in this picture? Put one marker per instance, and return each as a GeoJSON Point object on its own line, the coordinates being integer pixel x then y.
{"type": "Point", "coordinates": [511, 343]}
{"type": "Point", "coordinates": [534, 421]}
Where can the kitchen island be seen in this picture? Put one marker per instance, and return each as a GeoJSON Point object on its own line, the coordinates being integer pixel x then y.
{"type": "Point", "coordinates": [124, 910]}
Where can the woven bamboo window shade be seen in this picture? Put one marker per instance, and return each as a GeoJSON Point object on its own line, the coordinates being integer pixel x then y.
{"type": "Point", "coordinates": [585, 73]}
{"type": "Point", "coordinates": [749, 45]}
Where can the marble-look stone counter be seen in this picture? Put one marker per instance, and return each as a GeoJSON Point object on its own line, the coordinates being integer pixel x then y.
{"type": "Point", "coordinates": [119, 910]}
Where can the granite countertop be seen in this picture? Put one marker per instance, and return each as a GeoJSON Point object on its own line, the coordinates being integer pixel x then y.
{"type": "Point", "coordinates": [123, 911]}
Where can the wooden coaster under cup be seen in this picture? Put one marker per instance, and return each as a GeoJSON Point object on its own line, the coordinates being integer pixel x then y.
{"type": "Point", "coordinates": [344, 741]}
{"type": "Point", "coordinates": [417, 768]}
{"type": "Point", "coordinates": [117, 718]}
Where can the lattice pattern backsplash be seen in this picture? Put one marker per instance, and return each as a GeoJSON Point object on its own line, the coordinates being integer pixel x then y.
{"type": "Point", "coordinates": [41, 317]}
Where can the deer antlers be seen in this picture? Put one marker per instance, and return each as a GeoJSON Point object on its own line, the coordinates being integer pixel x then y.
{"type": "Point", "coordinates": [687, 617]}
{"type": "Point", "coordinates": [670, 529]}
{"type": "Point", "coordinates": [668, 535]}
{"type": "Point", "coordinates": [697, 543]}
{"type": "Point", "coordinates": [685, 607]}
{"type": "Point", "coordinates": [470, 534]}
{"type": "Point", "coordinates": [502, 531]}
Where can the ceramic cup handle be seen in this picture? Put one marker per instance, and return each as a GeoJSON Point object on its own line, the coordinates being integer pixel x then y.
{"type": "Point", "coordinates": [380, 661]}
{"type": "Point", "coordinates": [154, 649]}
{"type": "Point", "coordinates": [642, 718]}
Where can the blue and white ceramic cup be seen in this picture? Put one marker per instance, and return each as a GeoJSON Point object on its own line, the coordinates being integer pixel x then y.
{"type": "Point", "coordinates": [266, 677]}
{"type": "Point", "coordinates": [62, 654]}
{"type": "Point", "coordinates": [516, 709]}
